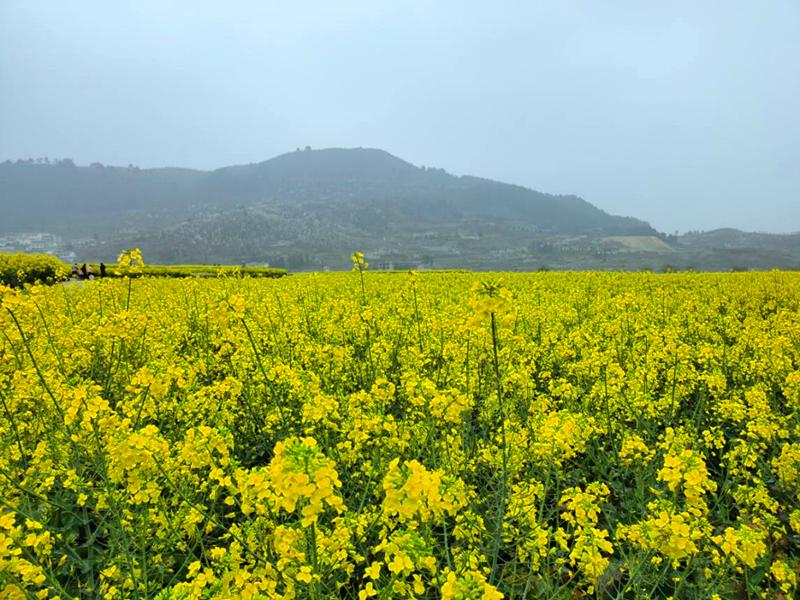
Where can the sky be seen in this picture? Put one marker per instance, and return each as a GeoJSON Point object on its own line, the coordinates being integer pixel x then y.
{"type": "Point", "coordinates": [684, 114]}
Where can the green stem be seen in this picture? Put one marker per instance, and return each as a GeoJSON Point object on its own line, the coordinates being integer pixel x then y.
{"type": "Point", "coordinates": [501, 504]}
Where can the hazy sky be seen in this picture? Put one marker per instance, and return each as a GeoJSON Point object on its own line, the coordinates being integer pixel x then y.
{"type": "Point", "coordinates": [685, 114]}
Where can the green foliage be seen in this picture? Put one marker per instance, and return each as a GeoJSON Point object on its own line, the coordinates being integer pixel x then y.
{"type": "Point", "coordinates": [19, 269]}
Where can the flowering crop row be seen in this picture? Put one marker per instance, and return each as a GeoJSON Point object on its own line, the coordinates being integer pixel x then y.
{"type": "Point", "coordinates": [113, 270]}
{"type": "Point", "coordinates": [367, 435]}
{"type": "Point", "coordinates": [19, 269]}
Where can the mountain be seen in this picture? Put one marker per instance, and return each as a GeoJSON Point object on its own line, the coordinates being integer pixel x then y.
{"type": "Point", "coordinates": [369, 185]}
{"type": "Point", "coordinates": [305, 208]}
{"type": "Point", "coordinates": [62, 198]}
{"type": "Point", "coordinates": [309, 209]}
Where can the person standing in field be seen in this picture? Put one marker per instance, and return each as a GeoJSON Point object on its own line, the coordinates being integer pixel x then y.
{"type": "Point", "coordinates": [83, 271]}
{"type": "Point", "coordinates": [102, 270]}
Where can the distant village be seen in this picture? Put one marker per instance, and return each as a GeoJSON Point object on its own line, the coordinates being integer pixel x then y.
{"type": "Point", "coordinates": [43, 243]}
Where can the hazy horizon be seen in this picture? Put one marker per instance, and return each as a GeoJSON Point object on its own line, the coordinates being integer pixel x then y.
{"type": "Point", "coordinates": [681, 115]}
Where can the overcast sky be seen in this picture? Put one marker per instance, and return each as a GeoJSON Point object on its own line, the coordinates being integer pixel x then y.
{"type": "Point", "coordinates": [685, 114]}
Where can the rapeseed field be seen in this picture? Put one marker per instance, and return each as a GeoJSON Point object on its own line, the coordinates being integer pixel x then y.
{"type": "Point", "coordinates": [372, 435]}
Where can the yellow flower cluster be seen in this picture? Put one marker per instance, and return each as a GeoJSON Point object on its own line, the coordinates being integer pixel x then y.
{"type": "Point", "coordinates": [673, 534]}
{"type": "Point", "coordinates": [130, 261]}
{"type": "Point", "coordinates": [380, 435]}
{"type": "Point", "coordinates": [560, 436]}
{"type": "Point", "coordinates": [415, 493]}
{"type": "Point", "coordinates": [634, 451]}
{"type": "Point", "coordinates": [587, 544]}
{"type": "Point", "coordinates": [469, 586]}
{"type": "Point", "coordinates": [302, 475]}
{"type": "Point", "coordinates": [687, 472]}
{"type": "Point", "coordinates": [18, 571]}
{"type": "Point", "coordinates": [745, 545]}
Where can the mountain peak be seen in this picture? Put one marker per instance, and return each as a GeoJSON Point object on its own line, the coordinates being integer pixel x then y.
{"type": "Point", "coordinates": [369, 162]}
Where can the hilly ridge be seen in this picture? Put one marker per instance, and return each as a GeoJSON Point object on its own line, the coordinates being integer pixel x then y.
{"type": "Point", "coordinates": [309, 209]}
{"type": "Point", "coordinates": [102, 199]}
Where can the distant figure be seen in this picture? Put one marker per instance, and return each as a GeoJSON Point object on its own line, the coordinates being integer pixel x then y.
{"type": "Point", "coordinates": [102, 270]}
{"type": "Point", "coordinates": [83, 271]}
{"type": "Point", "coordinates": [74, 271]}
